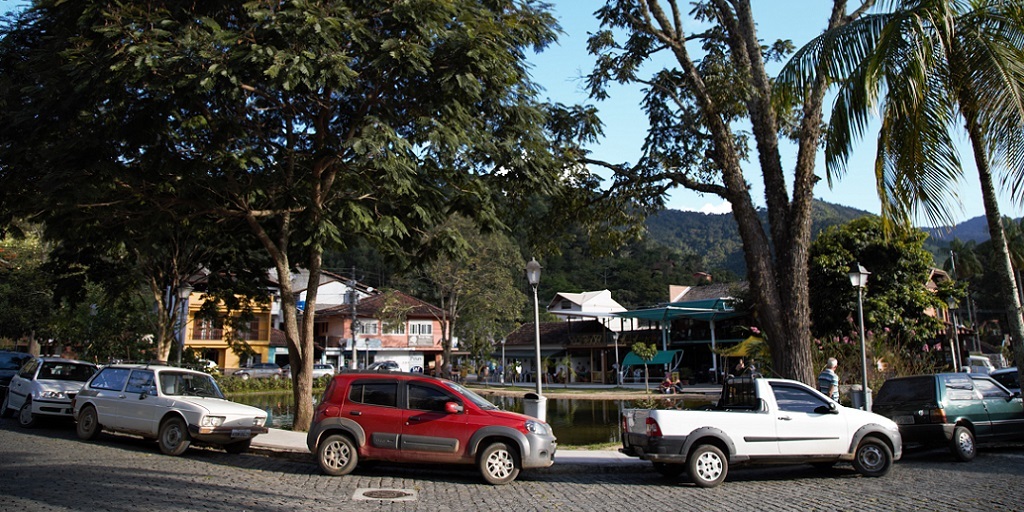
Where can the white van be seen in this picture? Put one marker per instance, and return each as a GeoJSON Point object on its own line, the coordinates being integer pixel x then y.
{"type": "Point", "coordinates": [979, 364]}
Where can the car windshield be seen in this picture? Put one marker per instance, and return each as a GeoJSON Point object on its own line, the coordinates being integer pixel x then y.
{"type": "Point", "coordinates": [189, 384]}
{"type": "Point", "coordinates": [480, 401]}
{"type": "Point", "coordinates": [58, 370]}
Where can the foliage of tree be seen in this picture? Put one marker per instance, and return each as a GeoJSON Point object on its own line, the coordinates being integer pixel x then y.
{"type": "Point", "coordinates": [26, 288]}
{"type": "Point", "coordinates": [896, 298]}
{"type": "Point", "coordinates": [926, 66]}
{"type": "Point", "coordinates": [313, 123]}
{"type": "Point", "coordinates": [646, 352]}
{"type": "Point", "coordinates": [709, 101]}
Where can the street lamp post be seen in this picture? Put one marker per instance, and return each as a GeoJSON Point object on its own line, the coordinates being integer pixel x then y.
{"type": "Point", "coordinates": [859, 279]}
{"type": "Point", "coordinates": [618, 371]}
{"type": "Point", "coordinates": [353, 302]}
{"type": "Point", "coordinates": [184, 292]}
{"type": "Point", "coordinates": [503, 369]}
{"type": "Point", "coordinates": [533, 276]}
{"type": "Point", "coordinates": [955, 351]}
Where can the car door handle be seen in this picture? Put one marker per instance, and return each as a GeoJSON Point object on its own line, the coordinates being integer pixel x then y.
{"type": "Point", "coordinates": [356, 413]}
{"type": "Point", "coordinates": [785, 418]}
{"type": "Point", "coordinates": [415, 419]}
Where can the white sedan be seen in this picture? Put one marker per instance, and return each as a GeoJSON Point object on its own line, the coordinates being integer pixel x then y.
{"type": "Point", "coordinates": [175, 406]}
{"type": "Point", "coordinates": [45, 386]}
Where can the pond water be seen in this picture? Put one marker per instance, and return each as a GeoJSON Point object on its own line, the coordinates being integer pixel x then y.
{"type": "Point", "coordinates": [575, 421]}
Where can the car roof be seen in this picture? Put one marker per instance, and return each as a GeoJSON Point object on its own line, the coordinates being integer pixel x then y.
{"type": "Point", "coordinates": [152, 367]}
{"type": "Point", "coordinates": [64, 360]}
{"type": "Point", "coordinates": [1012, 369]}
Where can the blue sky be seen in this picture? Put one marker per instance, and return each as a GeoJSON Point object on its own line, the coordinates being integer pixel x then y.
{"type": "Point", "coordinates": [559, 70]}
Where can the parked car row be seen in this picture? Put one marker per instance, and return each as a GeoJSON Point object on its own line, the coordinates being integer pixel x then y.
{"type": "Point", "coordinates": [177, 407]}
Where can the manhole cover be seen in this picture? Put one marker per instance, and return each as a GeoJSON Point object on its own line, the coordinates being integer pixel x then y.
{"type": "Point", "coordinates": [385, 494]}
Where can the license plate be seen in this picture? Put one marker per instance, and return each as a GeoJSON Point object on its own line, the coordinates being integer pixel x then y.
{"type": "Point", "coordinates": [240, 432]}
{"type": "Point", "coordinates": [904, 420]}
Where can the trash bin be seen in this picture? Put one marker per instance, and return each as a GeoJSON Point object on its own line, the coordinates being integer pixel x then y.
{"type": "Point", "coordinates": [535, 405]}
{"type": "Point", "coordinates": [860, 398]}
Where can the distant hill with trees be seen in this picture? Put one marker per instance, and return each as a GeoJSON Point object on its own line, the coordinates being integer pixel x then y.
{"type": "Point", "coordinates": [714, 239]}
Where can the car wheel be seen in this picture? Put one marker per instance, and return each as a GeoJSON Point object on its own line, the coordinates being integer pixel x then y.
{"type": "Point", "coordinates": [962, 445]}
{"type": "Point", "coordinates": [499, 464]}
{"type": "Point", "coordinates": [707, 466]}
{"type": "Point", "coordinates": [4, 411]}
{"type": "Point", "coordinates": [88, 426]}
{"type": "Point", "coordinates": [873, 458]}
{"type": "Point", "coordinates": [174, 438]}
{"type": "Point", "coordinates": [239, 447]}
{"type": "Point", "coordinates": [669, 470]}
{"type": "Point", "coordinates": [243, 376]}
{"type": "Point", "coordinates": [25, 416]}
{"type": "Point", "coordinates": [337, 455]}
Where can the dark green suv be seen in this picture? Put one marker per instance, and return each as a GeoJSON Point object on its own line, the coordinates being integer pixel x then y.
{"type": "Point", "coordinates": [952, 409]}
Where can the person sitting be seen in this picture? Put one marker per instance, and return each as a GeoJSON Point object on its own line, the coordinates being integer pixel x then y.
{"type": "Point", "coordinates": [677, 386]}
{"type": "Point", "coordinates": [667, 386]}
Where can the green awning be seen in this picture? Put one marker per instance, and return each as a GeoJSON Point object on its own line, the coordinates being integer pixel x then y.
{"type": "Point", "coordinates": [706, 310]}
{"type": "Point", "coordinates": [662, 357]}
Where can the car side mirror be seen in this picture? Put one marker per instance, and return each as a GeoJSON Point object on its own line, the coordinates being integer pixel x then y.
{"type": "Point", "coordinates": [830, 408]}
{"type": "Point", "coordinates": [452, 408]}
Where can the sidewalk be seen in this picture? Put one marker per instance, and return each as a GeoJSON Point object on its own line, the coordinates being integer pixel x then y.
{"type": "Point", "coordinates": [289, 444]}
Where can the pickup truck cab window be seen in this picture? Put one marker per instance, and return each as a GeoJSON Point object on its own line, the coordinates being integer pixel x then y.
{"type": "Point", "coordinates": [794, 399]}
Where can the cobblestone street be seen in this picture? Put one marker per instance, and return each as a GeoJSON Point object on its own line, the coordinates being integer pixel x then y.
{"type": "Point", "coordinates": [48, 468]}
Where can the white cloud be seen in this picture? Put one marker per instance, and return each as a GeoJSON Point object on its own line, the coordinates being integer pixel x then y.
{"type": "Point", "coordinates": [711, 209]}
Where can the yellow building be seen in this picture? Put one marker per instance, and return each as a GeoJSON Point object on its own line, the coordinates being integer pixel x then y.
{"type": "Point", "coordinates": [215, 340]}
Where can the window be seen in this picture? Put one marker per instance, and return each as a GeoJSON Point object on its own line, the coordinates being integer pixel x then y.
{"type": "Point", "coordinates": [251, 331]}
{"type": "Point", "coordinates": [208, 329]}
{"type": "Point", "coordinates": [111, 378]}
{"type": "Point", "coordinates": [989, 389]}
{"type": "Point", "coordinates": [396, 328]}
{"type": "Point", "coordinates": [374, 393]}
{"type": "Point", "coordinates": [66, 371]}
{"type": "Point", "coordinates": [425, 328]}
{"type": "Point", "coordinates": [29, 369]}
{"type": "Point", "coordinates": [428, 398]}
{"type": "Point", "coordinates": [367, 327]}
{"type": "Point", "coordinates": [958, 387]}
{"type": "Point", "coordinates": [795, 399]}
{"type": "Point", "coordinates": [141, 381]}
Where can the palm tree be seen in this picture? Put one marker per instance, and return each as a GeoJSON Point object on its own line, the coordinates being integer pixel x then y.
{"type": "Point", "coordinates": [927, 66]}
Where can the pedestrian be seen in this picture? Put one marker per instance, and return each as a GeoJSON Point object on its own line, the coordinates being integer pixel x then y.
{"type": "Point", "coordinates": [740, 368]}
{"type": "Point", "coordinates": [828, 381]}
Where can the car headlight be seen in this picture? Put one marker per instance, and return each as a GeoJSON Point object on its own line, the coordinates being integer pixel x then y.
{"type": "Point", "coordinates": [211, 421]}
{"type": "Point", "coordinates": [54, 394]}
{"type": "Point", "coordinates": [537, 427]}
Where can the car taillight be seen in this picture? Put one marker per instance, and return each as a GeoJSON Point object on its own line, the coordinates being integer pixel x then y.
{"type": "Point", "coordinates": [937, 415]}
{"type": "Point", "coordinates": [653, 430]}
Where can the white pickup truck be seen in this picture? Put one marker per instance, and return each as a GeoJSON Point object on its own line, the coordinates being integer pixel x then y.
{"type": "Point", "coordinates": [760, 420]}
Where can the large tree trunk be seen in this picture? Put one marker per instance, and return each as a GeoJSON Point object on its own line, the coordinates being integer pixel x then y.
{"type": "Point", "coordinates": [1007, 291]}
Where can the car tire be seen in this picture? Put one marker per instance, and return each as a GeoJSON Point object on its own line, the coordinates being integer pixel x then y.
{"type": "Point", "coordinates": [963, 445]}
{"type": "Point", "coordinates": [4, 411]}
{"type": "Point", "coordinates": [174, 438]}
{"type": "Point", "coordinates": [243, 376]}
{"type": "Point", "coordinates": [337, 455]}
{"type": "Point", "coordinates": [499, 464]}
{"type": "Point", "coordinates": [25, 417]}
{"type": "Point", "coordinates": [707, 466]}
{"type": "Point", "coordinates": [873, 458]}
{"type": "Point", "coordinates": [238, 447]}
{"type": "Point", "coordinates": [669, 470]}
{"type": "Point", "coordinates": [88, 426]}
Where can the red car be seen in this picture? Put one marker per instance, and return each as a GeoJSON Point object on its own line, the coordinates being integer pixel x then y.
{"type": "Point", "coordinates": [407, 417]}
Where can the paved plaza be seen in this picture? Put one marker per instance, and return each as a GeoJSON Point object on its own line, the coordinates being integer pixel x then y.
{"type": "Point", "coordinates": [49, 469]}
